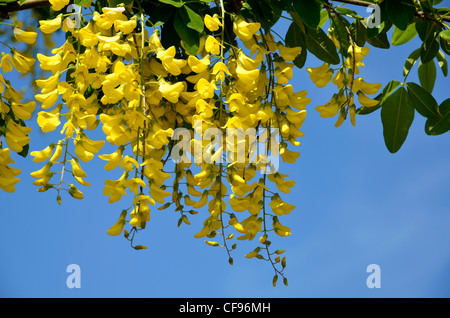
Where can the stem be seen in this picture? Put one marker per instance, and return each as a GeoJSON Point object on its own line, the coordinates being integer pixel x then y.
{"type": "Point", "coordinates": [64, 165]}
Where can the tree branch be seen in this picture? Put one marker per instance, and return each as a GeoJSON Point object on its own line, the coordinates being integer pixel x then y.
{"type": "Point", "coordinates": [15, 6]}
{"type": "Point", "coordinates": [32, 4]}
{"type": "Point", "coordinates": [361, 3]}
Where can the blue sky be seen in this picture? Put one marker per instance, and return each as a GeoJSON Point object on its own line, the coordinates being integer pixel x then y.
{"type": "Point", "coordinates": [357, 204]}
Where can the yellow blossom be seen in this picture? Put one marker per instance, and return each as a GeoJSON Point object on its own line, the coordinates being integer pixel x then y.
{"type": "Point", "coordinates": [50, 26]}
{"type": "Point", "coordinates": [28, 37]}
{"type": "Point", "coordinates": [212, 22]}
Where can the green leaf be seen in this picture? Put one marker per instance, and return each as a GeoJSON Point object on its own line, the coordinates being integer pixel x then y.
{"type": "Point", "coordinates": [427, 75]}
{"type": "Point", "coordinates": [445, 46]}
{"type": "Point", "coordinates": [175, 3]}
{"type": "Point", "coordinates": [309, 11]}
{"type": "Point", "coordinates": [319, 44]}
{"type": "Point", "coordinates": [358, 32]}
{"type": "Point", "coordinates": [442, 61]}
{"type": "Point", "coordinates": [411, 61]}
{"type": "Point", "coordinates": [387, 90]}
{"type": "Point", "coordinates": [445, 35]}
{"type": "Point", "coordinates": [400, 12]}
{"type": "Point", "coordinates": [380, 41]}
{"type": "Point", "coordinates": [295, 36]}
{"type": "Point", "coordinates": [192, 19]}
{"type": "Point", "coordinates": [397, 115]}
{"type": "Point", "coordinates": [439, 126]}
{"type": "Point", "coordinates": [426, 29]}
{"type": "Point", "coordinates": [160, 15]}
{"type": "Point", "coordinates": [423, 102]}
{"type": "Point", "coordinates": [265, 11]}
{"type": "Point", "coordinates": [400, 37]}
{"type": "Point", "coordinates": [430, 48]}
{"type": "Point", "coordinates": [190, 37]}
{"type": "Point", "coordinates": [323, 17]}
{"type": "Point", "coordinates": [340, 26]}
{"type": "Point", "coordinates": [348, 12]}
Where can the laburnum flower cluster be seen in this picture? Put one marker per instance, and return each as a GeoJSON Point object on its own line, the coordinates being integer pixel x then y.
{"type": "Point", "coordinates": [113, 73]}
{"type": "Point", "coordinates": [343, 102]}
{"type": "Point", "coordinates": [14, 110]}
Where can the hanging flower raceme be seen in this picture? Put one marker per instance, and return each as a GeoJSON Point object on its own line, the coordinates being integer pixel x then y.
{"type": "Point", "coordinates": [199, 132]}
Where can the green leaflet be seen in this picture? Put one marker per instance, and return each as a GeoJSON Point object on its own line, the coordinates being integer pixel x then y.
{"type": "Point", "coordinates": [442, 61]}
{"type": "Point", "coordinates": [192, 19]}
{"type": "Point", "coordinates": [411, 61]}
{"type": "Point", "coordinates": [400, 12]}
{"type": "Point", "coordinates": [400, 37]}
{"type": "Point", "coordinates": [190, 37]}
{"type": "Point", "coordinates": [309, 11]}
{"type": "Point", "coordinates": [441, 125]}
{"type": "Point", "coordinates": [319, 44]}
{"type": "Point", "coordinates": [445, 35]}
{"type": "Point", "coordinates": [427, 75]}
{"type": "Point", "coordinates": [295, 36]}
{"type": "Point", "coordinates": [397, 115]}
{"type": "Point", "coordinates": [423, 102]}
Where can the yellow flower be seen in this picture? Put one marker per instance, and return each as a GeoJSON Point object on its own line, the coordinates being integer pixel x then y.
{"type": "Point", "coordinates": [44, 154]}
{"type": "Point", "coordinates": [289, 53]}
{"type": "Point", "coordinates": [50, 26]}
{"type": "Point", "coordinates": [212, 45]}
{"type": "Point", "coordinates": [245, 30]}
{"type": "Point", "coordinates": [331, 108]}
{"type": "Point", "coordinates": [22, 63]}
{"type": "Point", "coordinates": [220, 69]}
{"type": "Point", "coordinates": [135, 184]}
{"type": "Point", "coordinates": [126, 26]}
{"type": "Point", "coordinates": [23, 111]}
{"type": "Point", "coordinates": [340, 79]}
{"type": "Point", "coordinates": [279, 228]}
{"type": "Point", "coordinates": [5, 63]}
{"type": "Point", "coordinates": [50, 63]}
{"type": "Point", "coordinates": [366, 101]}
{"type": "Point", "coordinates": [42, 172]}
{"type": "Point", "coordinates": [48, 121]}
{"type": "Point", "coordinates": [212, 22]}
{"type": "Point", "coordinates": [283, 72]}
{"type": "Point", "coordinates": [25, 36]}
{"type": "Point", "coordinates": [366, 88]}
{"type": "Point", "coordinates": [7, 174]}
{"type": "Point", "coordinates": [205, 88]}
{"type": "Point", "coordinates": [321, 75]}
{"type": "Point", "coordinates": [48, 100]}
{"type": "Point", "coordinates": [113, 159]}
{"type": "Point", "coordinates": [279, 207]}
{"type": "Point", "coordinates": [282, 185]}
{"type": "Point", "coordinates": [16, 136]}
{"type": "Point", "coordinates": [117, 228]}
{"type": "Point", "coordinates": [158, 194]}
{"type": "Point", "coordinates": [58, 5]}
{"type": "Point", "coordinates": [170, 63]}
{"type": "Point", "coordinates": [171, 92]}
{"type": "Point", "coordinates": [248, 76]}
{"type": "Point", "coordinates": [49, 84]}
{"type": "Point", "coordinates": [115, 189]}
{"type": "Point", "coordinates": [197, 65]}
{"type": "Point", "coordinates": [75, 193]}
